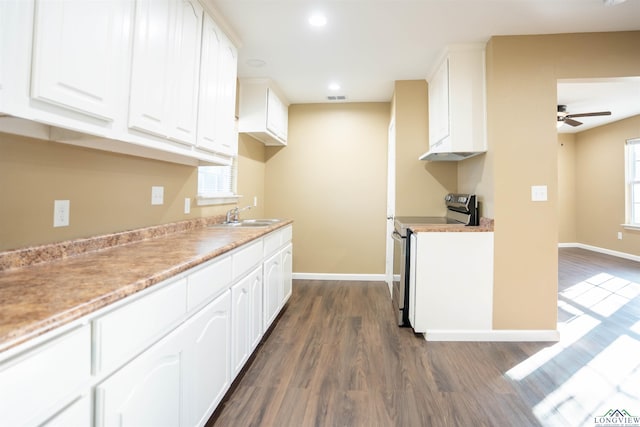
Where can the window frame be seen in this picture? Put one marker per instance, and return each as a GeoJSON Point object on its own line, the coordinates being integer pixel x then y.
{"type": "Point", "coordinates": [226, 194]}
{"type": "Point", "coordinates": [632, 181]}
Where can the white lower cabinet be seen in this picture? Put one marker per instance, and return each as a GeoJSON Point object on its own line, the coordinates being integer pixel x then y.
{"type": "Point", "coordinates": [246, 301]}
{"type": "Point", "coordinates": [148, 390]}
{"type": "Point", "coordinates": [446, 299]}
{"type": "Point", "coordinates": [277, 283]}
{"type": "Point", "coordinates": [209, 359]}
{"type": "Point", "coordinates": [40, 382]}
{"type": "Point", "coordinates": [166, 357]}
{"type": "Point", "coordinates": [272, 288]}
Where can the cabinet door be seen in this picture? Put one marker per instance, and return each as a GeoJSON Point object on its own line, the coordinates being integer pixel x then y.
{"type": "Point", "coordinates": [439, 105]}
{"type": "Point", "coordinates": [287, 275]}
{"type": "Point", "coordinates": [274, 113]}
{"type": "Point", "coordinates": [272, 288]}
{"type": "Point", "coordinates": [185, 71]}
{"type": "Point", "coordinates": [147, 391]}
{"type": "Point", "coordinates": [149, 74]}
{"type": "Point", "coordinates": [227, 142]}
{"type": "Point", "coordinates": [257, 321]}
{"type": "Point", "coordinates": [209, 74]}
{"type": "Point", "coordinates": [242, 323]}
{"type": "Point", "coordinates": [40, 382]}
{"type": "Point", "coordinates": [80, 51]}
{"type": "Point", "coordinates": [209, 358]}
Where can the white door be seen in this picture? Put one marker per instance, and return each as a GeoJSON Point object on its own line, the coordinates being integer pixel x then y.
{"type": "Point", "coordinates": [209, 73]}
{"type": "Point", "coordinates": [147, 391]}
{"type": "Point", "coordinates": [287, 272]}
{"type": "Point", "coordinates": [185, 70]}
{"type": "Point", "coordinates": [391, 203]}
{"type": "Point", "coordinates": [80, 52]}
{"type": "Point", "coordinates": [241, 321]}
{"type": "Point", "coordinates": [227, 142]}
{"type": "Point", "coordinates": [272, 288]}
{"type": "Point", "coordinates": [209, 358]}
{"type": "Point", "coordinates": [257, 320]}
{"type": "Point", "coordinates": [150, 68]}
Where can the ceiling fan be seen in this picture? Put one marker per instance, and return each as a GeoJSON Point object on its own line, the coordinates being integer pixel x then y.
{"type": "Point", "coordinates": [564, 117]}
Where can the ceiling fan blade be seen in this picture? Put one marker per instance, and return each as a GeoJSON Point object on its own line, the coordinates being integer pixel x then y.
{"type": "Point", "coordinates": [572, 122]}
{"type": "Point", "coordinates": [599, 113]}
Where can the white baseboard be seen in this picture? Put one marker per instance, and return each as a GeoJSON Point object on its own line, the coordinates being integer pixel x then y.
{"type": "Point", "coordinates": [600, 250]}
{"type": "Point", "coordinates": [495, 335]}
{"type": "Point", "coordinates": [342, 277]}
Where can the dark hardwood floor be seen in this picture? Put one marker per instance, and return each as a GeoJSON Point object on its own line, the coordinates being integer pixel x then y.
{"type": "Point", "coordinates": [336, 358]}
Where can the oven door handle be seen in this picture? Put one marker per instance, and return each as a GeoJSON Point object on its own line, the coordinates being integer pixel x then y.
{"type": "Point", "coordinates": [397, 236]}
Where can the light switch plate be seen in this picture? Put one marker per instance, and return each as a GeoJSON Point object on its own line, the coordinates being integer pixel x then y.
{"type": "Point", "coordinates": [538, 193]}
{"type": "Point", "coordinates": [187, 205]}
{"type": "Point", "coordinates": [157, 195]}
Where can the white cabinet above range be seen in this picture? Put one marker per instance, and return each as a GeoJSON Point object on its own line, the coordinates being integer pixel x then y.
{"type": "Point", "coordinates": [264, 114]}
{"type": "Point", "coordinates": [457, 104]}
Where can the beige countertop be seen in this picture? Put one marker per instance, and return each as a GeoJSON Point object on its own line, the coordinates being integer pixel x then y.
{"type": "Point", "coordinates": [486, 225]}
{"type": "Point", "coordinates": [39, 298]}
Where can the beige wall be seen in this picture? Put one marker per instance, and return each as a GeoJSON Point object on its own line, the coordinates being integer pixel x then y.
{"type": "Point", "coordinates": [251, 170]}
{"type": "Point", "coordinates": [420, 186]}
{"type": "Point", "coordinates": [522, 72]}
{"type": "Point", "coordinates": [567, 218]}
{"type": "Point", "coordinates": [600, 184]}
{"type": "Point", "coordinates": [108, 192]}
{"type": "Point", "coordinates": [331, 180]}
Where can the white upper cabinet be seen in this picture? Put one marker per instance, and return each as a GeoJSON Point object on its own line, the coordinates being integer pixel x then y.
{"type": "Point", "coordinates": [80, 50]}
{"type": "Point", "coordinates": [216, 115]}
{"type": "Point", "coordinates": [164, 75]}
{"type": "Point", "coordinates": [121, 76]}
{"type": "Point", "coordinates": [186, 70]}
{"type": "Point", "coordinates": [263, 113]}
{"type": "Point", "coordinates": [457, 101]}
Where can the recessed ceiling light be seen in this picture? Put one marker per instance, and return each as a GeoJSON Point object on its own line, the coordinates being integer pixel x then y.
{"type": "Point", "coordinates": [334, 86]}
{"type": "Point", "coordinates": [318, 20]}
{"type": "Point", "coordinates": [256, 63]}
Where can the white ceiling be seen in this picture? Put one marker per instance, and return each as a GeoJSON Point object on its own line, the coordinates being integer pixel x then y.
{"type": "Point", "coordinates": [368, 44]}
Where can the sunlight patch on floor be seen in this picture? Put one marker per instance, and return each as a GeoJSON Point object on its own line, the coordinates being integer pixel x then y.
{"type": "Point", "coordinates": [608, 379]}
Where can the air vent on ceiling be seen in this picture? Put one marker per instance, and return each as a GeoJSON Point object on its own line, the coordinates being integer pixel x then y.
{"type": "Point", "coordinates": [336, 97]}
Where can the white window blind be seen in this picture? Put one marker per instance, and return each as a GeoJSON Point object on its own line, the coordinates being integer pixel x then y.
{"type": "Point", "coordinates": [217, 181]}
{"type": "Point", "coordinates": [633, 182]}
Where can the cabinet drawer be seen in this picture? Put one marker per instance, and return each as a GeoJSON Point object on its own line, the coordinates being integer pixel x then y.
{"type": "Point", "coordinates": [45, 379]}
{"type": "Point", "coordinates": [287, 234]}
{"type": "Point", "coordinates": [122, 333]}
{"type": "Point", "coordinates": [272, 242]}
{"type": "Point", "coordinates": [208, 282]}
{"type": "Point", "coordinates": [246, 258]}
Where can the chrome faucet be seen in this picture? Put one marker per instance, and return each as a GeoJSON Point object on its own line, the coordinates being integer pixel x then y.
{"type": "Point", "coordinates": [233, 215]}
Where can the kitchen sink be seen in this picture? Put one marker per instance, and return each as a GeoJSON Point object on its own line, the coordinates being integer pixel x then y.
{"type": "Point", "coordinates": [248, 223]}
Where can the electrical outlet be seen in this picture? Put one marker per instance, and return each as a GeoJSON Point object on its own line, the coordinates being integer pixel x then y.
{"type": "Point", "coordinates": [619, 235]}
{"type": "Point", "coordinates": [157, 195]}
{"type": "Point", "coordinates": [61, 213]}
{"type": "Point", "coordinates": [255, 201]}
{"type": "Point", "coordinates": [187, 205]}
